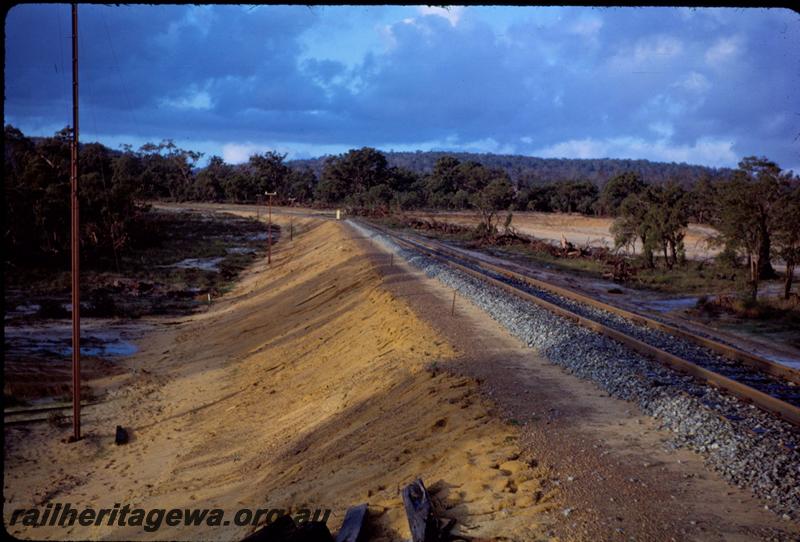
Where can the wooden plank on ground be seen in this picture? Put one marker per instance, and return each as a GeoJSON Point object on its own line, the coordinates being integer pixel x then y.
{"type": "Point", "coordinates": [419, 511]}
{"type": "Point", "coordinates": [353, 523]}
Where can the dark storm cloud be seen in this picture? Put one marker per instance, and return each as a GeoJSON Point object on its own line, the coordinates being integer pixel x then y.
{"type": "Point", "coordinates": [675, 84]}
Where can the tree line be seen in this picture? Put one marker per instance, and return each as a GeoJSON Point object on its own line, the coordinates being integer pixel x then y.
{"type": "Point", "coordinates": [525, 171]}
{"type": "Point", "coordinates": [36, 180]}
{"type": "Point", "coordinates": [754, 208]}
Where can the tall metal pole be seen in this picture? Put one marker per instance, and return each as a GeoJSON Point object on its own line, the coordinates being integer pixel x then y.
{"type": "Point", "coordinates": [269, 231]}
{"type": "Point", "coordinates": [76, 295]}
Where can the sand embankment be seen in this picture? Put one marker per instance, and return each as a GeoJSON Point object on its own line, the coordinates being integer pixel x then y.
{"type": "Point", "coordinates": [309, 385]}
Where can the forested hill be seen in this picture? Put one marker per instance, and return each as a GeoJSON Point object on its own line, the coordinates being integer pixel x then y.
{"type": "Point", "coordinates": [531, 170]}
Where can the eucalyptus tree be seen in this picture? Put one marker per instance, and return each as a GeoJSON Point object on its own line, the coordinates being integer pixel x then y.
{"type": "Point", "coordinates": [787, 235]}
{"type": "Point", "coordinates": [211, 180]}
{"type": "Point", "coordinates": [657, 217]}
{"type": "Point", "coordinates": [748, 214]}
{"type": "Point", "coordinates": [496, 196]}
{"type": "Point", "coordinates": [269, 173]}
{"type": "Point", "coordinates": [349, 176]}
{"type": "Point", "coordinates": [617, 189]}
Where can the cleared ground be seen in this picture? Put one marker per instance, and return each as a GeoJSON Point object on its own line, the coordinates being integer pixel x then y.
{"type": "Point", "coordinates": [577, 229]}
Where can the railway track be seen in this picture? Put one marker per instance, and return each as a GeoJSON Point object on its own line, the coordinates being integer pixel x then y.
{"type": "Point", "coordinates": [768, 385]}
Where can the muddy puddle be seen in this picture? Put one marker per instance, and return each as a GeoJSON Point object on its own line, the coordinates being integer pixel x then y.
{"type": "Point", "coordinates": [262, 236]}
{"type": "Point", "coordinates": [240, 250]}
{"type": "Point", "coordinates": [194, 256]}
{"type": "Point", "coordinates": [670, 305]}
{"type": "Point", "coordinates": [794, 363]}
{"type": "Point", "coordinates": [38, 356]}
{"type": "Point", "coordinates": [99, 338]}
{"type": "Point", "coordinates": [21, 311]}
{"type": "Point", "coordinates": [204, 264]}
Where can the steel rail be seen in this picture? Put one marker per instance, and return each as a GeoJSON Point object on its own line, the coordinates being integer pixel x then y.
{"type": "Point", "coordinates": [756, 362]}
{"type": "Point", "coordinates": [15, 411]}
{"type": "Point", "coordinates": [782, 409]}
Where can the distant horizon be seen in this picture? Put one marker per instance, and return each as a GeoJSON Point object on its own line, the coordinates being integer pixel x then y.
{"type": "Point", "coordinates": [203, 162]}
{"type": "Point", "coordinates": [700, 86]}
{"type": "Point", "coordinates": [205, 158]}
{"type": "Point", "coordinates": [394, 151]}
{"type": "Point", "coordinates": [289, 158]}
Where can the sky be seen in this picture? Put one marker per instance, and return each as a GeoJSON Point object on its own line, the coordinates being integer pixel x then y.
{"type": "Point", "coordinates": [701, 86]}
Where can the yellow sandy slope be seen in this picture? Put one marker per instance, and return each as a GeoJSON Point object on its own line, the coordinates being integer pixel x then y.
{"type": "Point", "coordinates": [307, 386]}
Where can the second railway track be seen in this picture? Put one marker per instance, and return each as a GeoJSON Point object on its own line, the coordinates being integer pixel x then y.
{"type": "Point", "coordinates": [765, 384]}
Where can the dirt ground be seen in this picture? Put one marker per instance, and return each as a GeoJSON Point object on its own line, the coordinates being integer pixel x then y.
{"type": "Point", "coordinates": [333, 379]}
{"type": "Point", "coordinates": [578, 229]}
{"type": "Point", "coordinates": [304, 387]}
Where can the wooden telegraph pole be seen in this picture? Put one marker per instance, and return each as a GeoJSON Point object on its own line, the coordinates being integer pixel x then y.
{"type": "Point", "coordinates": [75, 234]}
{"type": "Point", "coordinates": [269, 227]}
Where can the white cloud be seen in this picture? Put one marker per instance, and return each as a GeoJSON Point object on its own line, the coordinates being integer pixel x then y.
{"type": "Point", "coordinates": [387, 36]}
{"type": "Point", "coordinates": [488, 144]}
{"type": "Point", "coordinates": [709, 151]}
{"type": "Point", "coordinates": [693, 82]}
{"type": "Point", "coordinates": [196, 18]}
{"type": "Point", "coordinates": [193, 99]}
{"type": "Point", "coordinates": [587, 27]}
{"type": "Point", "coordinates": [663, 104]}
{"type": "Point", "coordinates": [451, 13]}
{"type": "Point", "coordinates": [647, 52]}
{"type": "Point", "coordinates": [238, 153]}
{"type": "Point", "coordinates": [574, 148]}
{"type": "Point", "coordinates": [387, 31]}
{"type": "Point", "coordinates": [723, 50]}
{"type": "Point", "coordinates": [660, 47]}
{"type": "Point", "coordinates": [664, 129]}
{"type": "Point", "coordinates": [200, 17]}
{"type": "Point", "coordinates": [453, 143]}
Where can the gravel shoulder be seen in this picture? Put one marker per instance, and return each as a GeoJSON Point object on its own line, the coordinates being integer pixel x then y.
{"type": "Point", "coordinates": [621, 473]}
